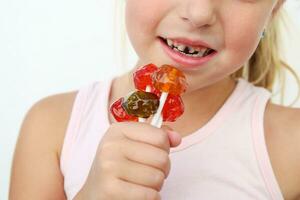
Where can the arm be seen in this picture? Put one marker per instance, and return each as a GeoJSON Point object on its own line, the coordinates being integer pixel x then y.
{"type": "Point", "coordinates": [296, 131]}
{"type": "Point", "coordinates": [35, 172]}
{"type": "Point", "coordinates": [283, 142]}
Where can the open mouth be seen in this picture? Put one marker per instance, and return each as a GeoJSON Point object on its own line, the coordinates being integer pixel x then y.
{"type": "Point", "coordinates": [191, 51]}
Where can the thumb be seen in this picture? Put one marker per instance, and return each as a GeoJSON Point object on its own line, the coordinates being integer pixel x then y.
{"type": "Point", "coordinates": [174, 137]}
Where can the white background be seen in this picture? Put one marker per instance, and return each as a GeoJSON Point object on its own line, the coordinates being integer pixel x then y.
{"type": "Point", "coordinates": [48, 47]}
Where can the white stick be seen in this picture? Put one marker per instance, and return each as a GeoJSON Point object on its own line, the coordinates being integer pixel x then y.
{"type": "Point", "coordinates": [160, 121]}
{"type": "Point", "coordinates": [142, 119]}
{"type": "Point", "coordinates": [148, 89]}
{"type": "Point", "coordinates": [155, 120]}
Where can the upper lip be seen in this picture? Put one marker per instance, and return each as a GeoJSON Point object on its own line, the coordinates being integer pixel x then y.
{"type": "Point", "coordinates": [189, 42]}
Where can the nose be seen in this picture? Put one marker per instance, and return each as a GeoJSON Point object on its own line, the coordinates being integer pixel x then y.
{"type": "Point", "coordinates": [198, 12]}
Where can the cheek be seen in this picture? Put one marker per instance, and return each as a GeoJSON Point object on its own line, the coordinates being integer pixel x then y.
{"type": "Point", "coordinates": [243, 30]}
{"type": "Point", "coordinates": [142, 19]}
{"type": "Point", "coordinates": [142, 16]}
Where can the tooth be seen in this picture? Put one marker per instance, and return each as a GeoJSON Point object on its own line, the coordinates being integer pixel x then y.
{"type": "Point", "coordinates": [181, 47]}
{"type": "Point", "coordinates": [170, 42]}
{"type": "Point", "coordinates": [191, 50]}
{"type": "Point", "coordinates": [199, 49]}
{"type": "Point", "coordinates": [207, 51]}
{"type": "Point", "coordinates": [203, 51]}
{"type": "Point", "coordinates": [200, 54]}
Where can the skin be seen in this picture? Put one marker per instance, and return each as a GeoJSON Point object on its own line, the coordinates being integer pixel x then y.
{"type": "Point", "coordinates": [234, 34]}
{"type": "Point", "coordinates": [233, 28]}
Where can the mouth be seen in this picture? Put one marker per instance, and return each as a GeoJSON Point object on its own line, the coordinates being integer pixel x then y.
{"type": "Point", "coordinates": [187, 53]}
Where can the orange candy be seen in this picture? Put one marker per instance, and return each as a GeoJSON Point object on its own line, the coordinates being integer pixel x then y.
{"type": "Point", "coordinates": [169, 79]}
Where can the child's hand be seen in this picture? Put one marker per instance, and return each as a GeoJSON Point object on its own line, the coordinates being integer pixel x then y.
{"type": "Point", "coordinates": [131, 163]}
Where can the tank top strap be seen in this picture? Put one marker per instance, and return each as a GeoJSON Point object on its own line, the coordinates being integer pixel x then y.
{"type": "Point", "coordinates": [78, 104]}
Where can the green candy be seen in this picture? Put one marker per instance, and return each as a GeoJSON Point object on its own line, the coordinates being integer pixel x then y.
{"type": "Point", "coordinates": [141, 104]}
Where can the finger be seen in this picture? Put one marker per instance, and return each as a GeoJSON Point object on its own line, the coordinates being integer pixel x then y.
{"type": "Point", "coordinates": [146, 154]}
{"type": "Point", "coordinates": [143, 132]}
{"type": "Point", "coordinates": [131, 191]}
{"type": "Point", "coordinates": [174, 138]}
{"type": "Point", "coordinates": [140, 174]}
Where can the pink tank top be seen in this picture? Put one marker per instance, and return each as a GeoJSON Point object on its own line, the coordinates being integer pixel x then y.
{"type": "Point", "coordinates": [227, 158]}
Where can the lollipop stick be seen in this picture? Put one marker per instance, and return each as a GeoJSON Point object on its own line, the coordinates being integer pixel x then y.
{"type": "Point", "coordinates": [142, 119]}
{"type": "Point", "coordinates": [160, 121]}
{"type": "Point", "coordinates": [155, 120]}
{"type": "Point", "coordinates": [148, 89]}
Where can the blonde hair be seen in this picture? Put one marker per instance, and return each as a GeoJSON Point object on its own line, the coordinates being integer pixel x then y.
{"type": "Point", "coordinates": [262, 69]}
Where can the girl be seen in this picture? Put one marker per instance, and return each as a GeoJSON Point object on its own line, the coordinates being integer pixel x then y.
{"type": "Point", "coordinates": [231, 142]}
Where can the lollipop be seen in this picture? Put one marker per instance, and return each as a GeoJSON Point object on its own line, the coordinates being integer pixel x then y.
{"type": "Point", "coordinates": [137, 105]}
{"type": "Point", "coordinates": [143, 80]}
{"type": "Point", "coordinates": [141, 104]}
{"type": "Point", "coordinates": [173, 108]}
{"type": "Point", "coordinates": [166, 83]}
{"type": "Point", "coordinates": [167, 79]}
{"type": "Point", "coordinates": [142, 77]}
{"type": "Point", "coordinates": [119, 112]}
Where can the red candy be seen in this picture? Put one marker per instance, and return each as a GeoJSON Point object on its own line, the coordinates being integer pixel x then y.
{"type": "Point", "coordinates": [119, 113]}
{"type": "Point", "coordinates": [173, 108]}
{"type": "Point", "coordinates": [142, 77]}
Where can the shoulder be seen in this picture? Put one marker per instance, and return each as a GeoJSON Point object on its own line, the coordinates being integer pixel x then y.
{"type": "Point", "coordinates": [282, 124]}
{"type": "Point", "coordinates": [35, 170]}
{"type": "Point", "coordinates": [282, 133]}
{"type": "Point", "coordinates": [50, 116]}
{"type": "Point", "coordinates": [283, 119]}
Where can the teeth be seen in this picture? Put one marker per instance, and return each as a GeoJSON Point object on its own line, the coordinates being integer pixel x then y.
{"type": "Point", "coordinates": [170, 42]}
{"type": "Point", "coordinates": [177, 50]}
{"type": "Point", "coordinates": [206, 52]}
{"type": "Point", "coordinates": [191, 50]}
{"type": "Point", "coordinates": [200, 54]}
{"type": "Point", "coordinates": [203, 50]}
{"type": "Point", "coordinates": [194, 52]}
{"type": "Point", "coordinates": [181, 47]}
{"type": "Point", "coordinates": [200, 49]}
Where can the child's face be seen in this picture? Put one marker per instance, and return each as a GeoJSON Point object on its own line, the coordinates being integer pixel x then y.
{"type": "Point", "coordinates": [231, 27]}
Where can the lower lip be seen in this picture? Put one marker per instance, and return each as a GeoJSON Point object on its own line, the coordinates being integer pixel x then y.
{"type": "Point", "coordinates": [187, 61]}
